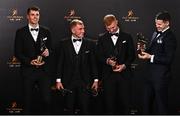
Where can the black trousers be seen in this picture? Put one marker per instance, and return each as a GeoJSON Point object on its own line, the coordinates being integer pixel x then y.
{"type": "Point", "coordinates": [78, 97]}
{"type": "Point", "coordinates": [116, 94]}
{"type": "Point", "coordinates": [41, 78]}
{"type": "Point", "coordinates": [155, 91]}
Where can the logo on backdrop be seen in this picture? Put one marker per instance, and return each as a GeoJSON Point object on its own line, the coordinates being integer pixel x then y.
{"type": "Point", "coordinates": [130, 17]}
{"type": "Point", "coordinates": [13, 62]}
{"type": "Point", "coordinates": [71, 15]}
{"type": "Point", "coordinates": [13, 108]}
{"type": "Point", "coordinates": [14, 15]}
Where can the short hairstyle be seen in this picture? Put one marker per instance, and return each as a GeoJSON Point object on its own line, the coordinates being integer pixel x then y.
{"type": "Point", "coordinates": [108, 19]}
{"type": "Point", "coordinates": [34, 8]}
{"type": "Point", "coordinates": [164, 15]}
{"type": "Point", "coordinates": [74, 22]}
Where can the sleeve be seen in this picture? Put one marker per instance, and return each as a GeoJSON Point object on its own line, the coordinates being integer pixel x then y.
{"type": "Point", "coordinates": [167, 56]}
{"type": "Point", "coordinates": [130, 52]}
{"type": "Point", "coordinates": [18, 48]}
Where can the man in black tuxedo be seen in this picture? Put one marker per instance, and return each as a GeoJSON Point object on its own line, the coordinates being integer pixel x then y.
{"type": "Point", "coordinates": [31, 41]}
{"type": "Point", "coordinates": [115, 51]}
{"type": "Point", "coordinates": [77, 68]}
{"type": "Point", "coordinates": [159, 56]}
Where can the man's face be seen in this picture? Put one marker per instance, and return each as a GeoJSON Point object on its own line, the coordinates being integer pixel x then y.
{"type": "Point", "coordinates": [113, 27]}
{"type": "Point", "coordinates": [161, 25]}
{"type": "Point", "coordinates": [33, 17]}
{"type": "Point", "coordinates": [78, 31]}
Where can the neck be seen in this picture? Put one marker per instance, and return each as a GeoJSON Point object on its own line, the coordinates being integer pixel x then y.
{"type": "Point", "coordinates": [76, 36]}
{"type": "Point", "coordinates": [33, 25]}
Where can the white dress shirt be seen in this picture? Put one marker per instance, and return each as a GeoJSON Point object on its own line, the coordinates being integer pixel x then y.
{"type": "Point", "coordinates": [114, 37]}
{"type": "Point", "coordinates": [34, 33]}
{"type": "Point", "coordinates": [77, 44]}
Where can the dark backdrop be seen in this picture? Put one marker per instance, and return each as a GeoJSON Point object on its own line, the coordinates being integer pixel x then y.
{"type": "Point", "coordinates": [53, 15]}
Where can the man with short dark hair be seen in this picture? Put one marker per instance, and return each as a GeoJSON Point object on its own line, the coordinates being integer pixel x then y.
{"type": "Point", "coordinates": [34, 41]}
{"type": "Point", "coordinates": [159, 56]}
{"type": "Point", "coordinates": [116, 52]}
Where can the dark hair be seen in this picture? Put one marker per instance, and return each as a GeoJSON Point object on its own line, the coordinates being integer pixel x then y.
{"type": "Point", "coordinates": [34, 8]}
{"type": "Point", "coordinates": [75, 22]}
{"type": "Point", "coordinates": [165, 16]}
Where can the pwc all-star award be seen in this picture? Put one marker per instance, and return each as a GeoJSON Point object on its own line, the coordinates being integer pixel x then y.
{"type": "Point", "coordinates": [40, 60]}
{"type": "Point", "coordinates": [141, 43]}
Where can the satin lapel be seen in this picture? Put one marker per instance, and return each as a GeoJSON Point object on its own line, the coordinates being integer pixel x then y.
{"type": "Point", "coordinates": [40, 34]}
{"type": "Point", "coordinates": [71, 49]}
{"type": "Point", "coordinates": [82, 48]}
{"type": "Point", "coordinates": [30, 37]}
{"type": "Point", "coordinates": [153, 38]}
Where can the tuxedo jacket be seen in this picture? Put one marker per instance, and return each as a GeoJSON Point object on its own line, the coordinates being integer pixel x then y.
{"type": "Point", "coordinates": [26, 49]}
{"type": "Point", "coordinates": [125, 52]}
{"type": "Point", "coordinates": [163, 48]}
{"type": "Point", "coordinates": [66, 64]}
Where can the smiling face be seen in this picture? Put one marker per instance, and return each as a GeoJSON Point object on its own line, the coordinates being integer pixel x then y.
{"type": "Point", "coordinates": [78, 30]}
{"type": "Point", "coordinates": [161, 25]}
{"type": "Point", "coordinates": [33, 17]}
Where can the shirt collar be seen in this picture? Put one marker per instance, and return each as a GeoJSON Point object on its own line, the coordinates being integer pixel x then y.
{"type": "Point", "coordinates": [165, 29]}
{"type": "Point", "coordinates": [72, 37]}
{"type": "Point", "coordinates": [30, 27]}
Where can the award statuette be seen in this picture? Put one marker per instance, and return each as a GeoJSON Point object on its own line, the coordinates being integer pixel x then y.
{"type": "Point", "coordinates": [141, 43]}
{"type": "Point", "coordinates": [115, 60]}
{"type": "Point", "coordinates": [42, 48]}
{"type": "Point", "coordinates": [113, 57]}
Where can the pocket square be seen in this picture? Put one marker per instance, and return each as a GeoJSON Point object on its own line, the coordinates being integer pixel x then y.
{"type": "Point", "coordinates": [124, 41]}
{"type": "Point", "coordinates": [87, 51]}
{"type": "Point", "coordinates": [44, 38]}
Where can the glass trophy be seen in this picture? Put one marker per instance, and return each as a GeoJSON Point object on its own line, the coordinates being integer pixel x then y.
{"type": "Point", "coordinates": [42, 48]}
{"type": "Point", "coordinates": [115, 60]}
{"type": "Point", "coordinates": [141, 43]}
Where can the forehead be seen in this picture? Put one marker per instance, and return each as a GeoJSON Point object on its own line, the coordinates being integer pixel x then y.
{"type": "Point", "coordinates": [33, 12]}
{"type": "Point", "coordinates": [112, 24]}
{"type": "Point", "coordinates": [79, 26]}
{"type": "Point", "coordinates": [159, 21]}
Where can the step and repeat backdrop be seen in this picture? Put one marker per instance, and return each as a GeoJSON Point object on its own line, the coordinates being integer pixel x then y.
{"type": "Point", "coordinates": [135, 16]}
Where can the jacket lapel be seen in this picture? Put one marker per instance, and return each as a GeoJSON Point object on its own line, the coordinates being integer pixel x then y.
{"type": "Point", "coordinates": [71, 49]}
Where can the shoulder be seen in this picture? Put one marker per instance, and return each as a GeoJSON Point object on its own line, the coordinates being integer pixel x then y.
{"type": "Point", "coordinates": [103, 36]}
{"type": "Point", "coordinates": [25, 28]}
{"type": "Point", "coordinates": [89, 40]}
{"type": "Point", "coordinates": [44, 28]}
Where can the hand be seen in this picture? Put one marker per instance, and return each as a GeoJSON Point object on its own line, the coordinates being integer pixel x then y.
{"type": "Point", "coordinates": [36, 63]}
{"type": "Point", "coordinates": [45, 53]}
{"type": "Point", "coordinates": [111, 62]}
{"type": "Point", "coordinates": [119, 68]}
{"type": "Point", "coordinates": [144, 56]}
{"type": "Point", "coordinates": [95, 85]}
{"type": "Point", "coordinates": [59, 85]}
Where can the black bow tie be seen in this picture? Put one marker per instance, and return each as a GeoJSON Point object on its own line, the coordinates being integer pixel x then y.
{"type": "Point", "coordinates": [159, 32]}
{"type": "Point", "coordinates": [34, 29]}
{"type": "Point", "coordinates": [74, 40]}
{"type": "Point", "coordinates": [116, 34]}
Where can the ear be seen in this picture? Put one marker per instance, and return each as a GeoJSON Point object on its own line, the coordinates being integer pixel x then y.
{"type": "Point", "coordinates": [72, 30]}
{"type": "Point", "coordinates": [116, 21]}
{"type": "Point", "coordinates": [167, 23]}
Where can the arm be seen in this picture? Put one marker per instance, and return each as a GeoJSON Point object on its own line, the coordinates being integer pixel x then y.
{"type": "Point", "coordinates": [18, 48]}
{"type": "Point", "coordinates": [130, 52]}
{"type": "Point", "coordinates": [60, 58]}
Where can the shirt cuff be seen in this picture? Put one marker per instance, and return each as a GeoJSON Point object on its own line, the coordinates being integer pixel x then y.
{"type": "Point", "coordinates": [58, 80]}
{"type": "Point", "coordinates": [152, 59]}
{"type": "Point", "coordinates": [107, 60]}
{"type": "Point", "coordinates": [96, 80]}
